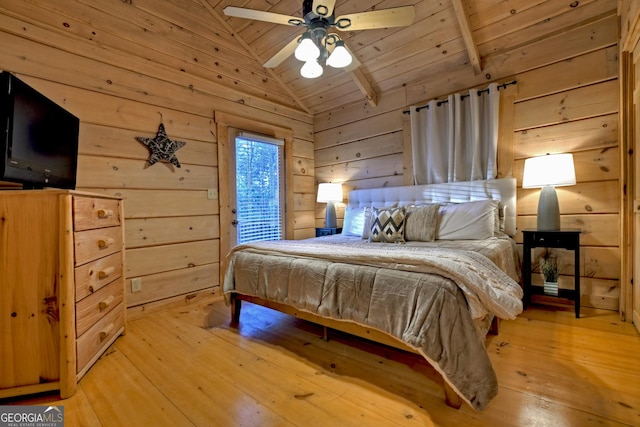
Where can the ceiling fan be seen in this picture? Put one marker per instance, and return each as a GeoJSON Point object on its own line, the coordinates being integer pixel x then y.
{"type": "Point", "coordinates": [317, 43]}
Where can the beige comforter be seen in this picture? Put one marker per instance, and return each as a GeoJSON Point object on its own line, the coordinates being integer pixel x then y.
{"type": "Point", "coordinates": [426, 297]}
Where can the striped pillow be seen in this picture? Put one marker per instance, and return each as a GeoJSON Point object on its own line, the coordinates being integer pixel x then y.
{"type": "Point", "coordinates": [421, 223]}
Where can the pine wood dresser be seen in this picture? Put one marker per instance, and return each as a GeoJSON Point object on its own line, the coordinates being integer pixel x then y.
{"type": "Point", "coordinates": [61, 287]}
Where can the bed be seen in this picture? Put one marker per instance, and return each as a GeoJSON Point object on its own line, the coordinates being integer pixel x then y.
{"type": "Point", "coordinates": [435, 293]}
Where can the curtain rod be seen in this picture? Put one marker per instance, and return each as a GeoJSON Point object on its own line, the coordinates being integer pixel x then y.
{"type": "Point", "coordinates": [444, 101]}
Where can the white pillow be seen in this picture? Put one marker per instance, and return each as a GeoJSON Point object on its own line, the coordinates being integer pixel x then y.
{"type": "Point", "coordinates": [471, 220]}
{"type": "Point", "coordinates": [353, 223]}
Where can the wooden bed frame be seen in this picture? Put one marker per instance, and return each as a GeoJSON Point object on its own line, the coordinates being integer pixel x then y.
{"type": "Point", "coordinates": [451, 397]}
{"type": "Point", "coordinates": [501, 189]}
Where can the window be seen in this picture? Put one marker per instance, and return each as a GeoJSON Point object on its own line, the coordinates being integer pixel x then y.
{"type": "Point", "coordinates": [259, 188]}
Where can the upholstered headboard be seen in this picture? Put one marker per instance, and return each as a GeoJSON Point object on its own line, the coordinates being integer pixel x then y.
{"type": "Point", "coordinates": [503, 189]}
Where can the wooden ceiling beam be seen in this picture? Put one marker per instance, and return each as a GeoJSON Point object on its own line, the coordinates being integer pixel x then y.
{"type": "Point", "coordinates": [467, 36]}
{"type": "Point", "coordinates": [255, 55]}
{"type": "Point", "coordinates": [365, 87]}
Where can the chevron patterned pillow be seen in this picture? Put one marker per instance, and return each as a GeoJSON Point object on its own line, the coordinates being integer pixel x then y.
{"type": "Point", "coordinates": [388, 225]}
{"type": "Point", "coordinates": [368, 220]}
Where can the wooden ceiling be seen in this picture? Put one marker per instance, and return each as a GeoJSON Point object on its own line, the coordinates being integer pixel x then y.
{"type": "Point", "coordinates": [456, 37]}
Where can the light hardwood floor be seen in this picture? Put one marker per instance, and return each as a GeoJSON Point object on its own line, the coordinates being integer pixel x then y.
{"type": "Point", "coordinates": [187, 366]}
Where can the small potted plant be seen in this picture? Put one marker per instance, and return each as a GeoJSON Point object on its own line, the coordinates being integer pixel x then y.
{"type": "Point", "coordinates": [550, 269]}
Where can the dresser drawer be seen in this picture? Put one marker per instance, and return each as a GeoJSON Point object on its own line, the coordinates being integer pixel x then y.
{"type": "Point", "coordinates": [93, 244]}
{"type": "Point", "coordinates": [90, 213]}
{"type": "Point", "coordinates": [98, 337]}
{"type": "Point", "coordinates": [97, 274]}
{"type": "Point", "coordinates": [97, 305]}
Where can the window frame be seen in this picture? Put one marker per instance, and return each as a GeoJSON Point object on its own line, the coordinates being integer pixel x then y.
{"type": "Point", "coordinates": [280, 145]}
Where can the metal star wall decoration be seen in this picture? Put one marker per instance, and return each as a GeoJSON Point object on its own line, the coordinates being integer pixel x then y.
{"type": "Point", "coordinates": [162, 148]}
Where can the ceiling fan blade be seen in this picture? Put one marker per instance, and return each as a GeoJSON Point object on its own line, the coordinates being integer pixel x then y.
{"type": "Point", "coordinates": [282, 54]}
{"type": "Point", "coordinates": [259, 15]}
{"type": "Point", "coordinates": [323, 7]}
{"type": "Point", "coordinates": [396, 17]}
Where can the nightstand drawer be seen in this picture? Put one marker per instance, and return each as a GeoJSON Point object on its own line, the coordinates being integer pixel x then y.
{"type": "Point", "coordinates": [327, 231]}
{"type": "Point", "coordinates": [551, 239]}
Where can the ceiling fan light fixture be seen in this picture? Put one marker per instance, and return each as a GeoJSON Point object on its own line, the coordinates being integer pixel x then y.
{"type": "Point", "coordinates": [311, 69]}
{"type": "Point", "coordinates": [340, 57]}
{"type": "Point", "coordinates": [307, 49]}
{"type": "Point", "coordinates": [317, 44]}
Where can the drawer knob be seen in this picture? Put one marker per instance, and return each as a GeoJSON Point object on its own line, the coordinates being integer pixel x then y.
{"type": "Point", "coordinates": [106, 302]}
{"type": "Point", "coordinates": [104, 213]}
{"type": "Point", "coordinates": [107, 331]}
{"type": "Point", "coordinates": [106, 272]}
{"type": "Point", "coordinates": [105, 242]}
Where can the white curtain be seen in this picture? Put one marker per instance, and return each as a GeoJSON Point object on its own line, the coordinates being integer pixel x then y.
{"type": "Point", "coordinates": [456, 139]}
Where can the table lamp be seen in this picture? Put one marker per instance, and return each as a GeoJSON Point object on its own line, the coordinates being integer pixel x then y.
{"type": "Point", "coordinates": [329, 193]}
{"type": "Point", "coordinates": [549, 171]}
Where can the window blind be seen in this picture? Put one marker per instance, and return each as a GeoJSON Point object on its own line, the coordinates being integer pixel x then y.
{"type": "Point", "coordinates": [259, 192]}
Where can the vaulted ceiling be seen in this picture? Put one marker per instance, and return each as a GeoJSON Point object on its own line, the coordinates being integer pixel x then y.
{"type": "Point", "coordinates": [455, 37]}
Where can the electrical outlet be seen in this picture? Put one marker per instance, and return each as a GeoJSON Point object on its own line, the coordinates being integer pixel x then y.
{"type": "Point", "coordinates": [136, 284]}
{"type": "Point", "coordinates": [212, 194]}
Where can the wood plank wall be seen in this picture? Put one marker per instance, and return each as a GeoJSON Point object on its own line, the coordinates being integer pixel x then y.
{"type": "Point", "coordinates": [566, 100]}
{"type": "Point", "coordinates": [123, 67]}
{"type": "Point", "coordinates": [629, 11]}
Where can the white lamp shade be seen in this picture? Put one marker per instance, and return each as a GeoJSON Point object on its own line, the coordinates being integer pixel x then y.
{"type": "Point", "coordinates": [551, 169]}
{"type": "Point", "coordinates": [329, 192]}
{"type": "Point", "coordinates": [311, 69]}
{"type": "Point", "coordinates": [340, 57]}
{"type": "Point", "coordinates": [307, 50]}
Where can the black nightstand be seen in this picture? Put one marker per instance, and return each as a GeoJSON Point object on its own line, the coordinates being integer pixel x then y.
{"type": "Point", "coordinates": [565, 239]}
{"type": "Point", "coordinates": [327, 231]}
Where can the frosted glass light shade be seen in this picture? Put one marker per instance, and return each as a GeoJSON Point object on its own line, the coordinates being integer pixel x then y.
{"type": "Point", "coordinates": [550, 169]}
{"type": "Point", "coordinates": [307, 50]}
{"type": "Point", "coordinates": [340, 57]}
{"type": "Point", "coordinates": [548, 172]}
{"type": "Point", "coordinates": [311, 69]}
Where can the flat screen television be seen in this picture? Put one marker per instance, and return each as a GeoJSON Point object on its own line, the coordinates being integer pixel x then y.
{"type": "Point", "coordinates": [39, 140]}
